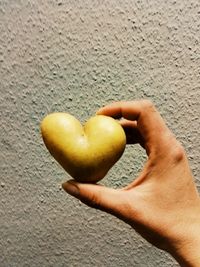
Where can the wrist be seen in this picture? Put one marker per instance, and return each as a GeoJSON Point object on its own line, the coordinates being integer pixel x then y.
{"type": "Point", "coordinates": [188, 256]}
{"type": "Point", "coordinates": [187, 250]}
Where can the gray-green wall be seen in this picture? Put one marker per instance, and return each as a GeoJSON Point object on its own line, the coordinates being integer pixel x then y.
{"type": "Point", "coordinates": [76, 56]}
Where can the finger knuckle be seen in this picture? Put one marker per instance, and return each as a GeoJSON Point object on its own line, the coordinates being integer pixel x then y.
{"type": "Point", "coordinates": [95, 201]}
{"type": "Point", "coordinates": [177, 151]}
{"type": "Point", "coordinates": [148, 107]}
{"type": "Point", "coordinates": [148, 104]}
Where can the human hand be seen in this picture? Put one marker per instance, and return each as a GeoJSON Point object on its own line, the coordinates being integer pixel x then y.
{"type": "Point", "coordinates": [162, 204]}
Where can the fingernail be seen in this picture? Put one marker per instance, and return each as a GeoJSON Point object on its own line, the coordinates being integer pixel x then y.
{"type": "Point", "coordinates": [71, 188]}
{"type": "Point", "coordinates": [99, 111]}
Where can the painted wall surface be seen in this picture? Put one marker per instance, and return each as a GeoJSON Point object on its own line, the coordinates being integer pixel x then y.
{"type": "Point", "coordinates": [76, 56]}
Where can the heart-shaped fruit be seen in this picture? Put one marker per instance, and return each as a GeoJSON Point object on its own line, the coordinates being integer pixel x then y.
{"type": "Point", "coordinates": [85, 152]}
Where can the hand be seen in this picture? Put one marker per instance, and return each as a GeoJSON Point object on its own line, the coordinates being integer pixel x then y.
{"type": "Point", "coordinates": [162, 204]}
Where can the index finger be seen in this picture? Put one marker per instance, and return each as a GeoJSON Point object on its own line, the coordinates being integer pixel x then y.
{"type": "Point", "coordinates": [149, 121]}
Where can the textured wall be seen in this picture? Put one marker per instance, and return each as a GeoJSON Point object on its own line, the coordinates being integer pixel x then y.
{"type": "Point", "coordinates": [76, 56]}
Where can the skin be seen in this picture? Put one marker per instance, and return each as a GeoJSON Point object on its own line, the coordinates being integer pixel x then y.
{"type": "Point", "coordinates": [162, 204]}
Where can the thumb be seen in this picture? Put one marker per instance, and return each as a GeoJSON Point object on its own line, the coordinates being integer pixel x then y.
{"type": "Point", "coordinates": [96, 196]}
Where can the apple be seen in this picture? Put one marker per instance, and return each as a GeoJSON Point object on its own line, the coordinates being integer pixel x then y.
{"type": "Point", "coordinates": [85, 152]}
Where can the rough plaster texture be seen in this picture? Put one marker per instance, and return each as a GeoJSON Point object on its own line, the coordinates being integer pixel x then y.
{"type": "Point", "coordinates": [76, 56]}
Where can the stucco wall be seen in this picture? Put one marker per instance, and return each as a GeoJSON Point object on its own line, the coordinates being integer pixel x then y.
{"type": "Point", "coordinates": [76, 56]}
